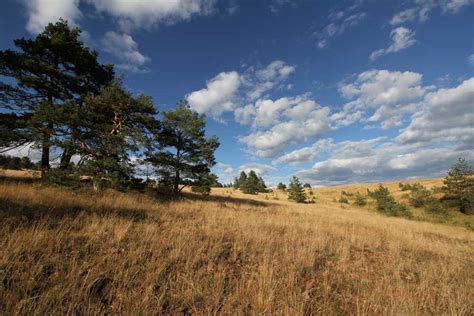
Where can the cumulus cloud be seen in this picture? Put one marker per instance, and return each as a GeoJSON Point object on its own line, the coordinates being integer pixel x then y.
{"type": "Point", "coordinates": [401, 38]}
{"type": "Point", "coordinates": [147, 13]}
{"type": "Point", "coordinates": [129, 14]}
{"type": "Point", "coordinates": [446, 115]}
{"type": "Point", "coordinates": [218, 97]}
{"type": "Point", "coordinates": [380, 161]}
{"type": "Point", "coordinates": [263, 80]}
{"type": "Point", "coordinates": [260, 169]}
{"type": "Point", "coordinates": [126, 49]}
{"type": "Point", "coordinates": [227, 89]}
{"type": "Point", "coordinates": [285, 121]}
{"type": "Point", "coordinates": [42, 12]}
{"type": "Point", "coordinates": [390, 94]}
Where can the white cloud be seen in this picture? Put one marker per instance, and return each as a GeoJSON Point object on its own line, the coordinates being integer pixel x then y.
{"type": "Point", "coordinates": [446, 115]}
{"type": "Point", "coordinates": [260, 169]}
{"type": "Point", "coordinates": [401, 37]}
{"type": "Point", "coordinates": [391, 94]}
{"type": "Point", "coordinates": [280, 123]}
{"type": "Point", "coordinates": [340, 21]}
{"type": "Point", "coordinates": [27, 150]}
{"type": "Point", "coordinates": [227, 88]}
{"type": "Point", "coordinates": [126, 49]}
{"type": "Point", "coordinates": [42, 12]}
{"type": "Point", "coordinates": [218, 97]}
{"type": "Point", "coordinates": [263, 80]}
{"type": "Point", "coordinates": [406, 15]}
{"type": "Point", "coordinates": [224, 168]}
{"type": "Point", "coordinates": [147, 13]}
{"type": "Point", "coordinates": [298, 156]}
{"type": "Point", "coordinates": [374, 160]}
{"type": "Point", "coordinates": [421, 8]}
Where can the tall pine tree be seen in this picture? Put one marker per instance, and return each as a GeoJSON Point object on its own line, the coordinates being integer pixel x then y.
{"type": "Point", "coordinates": [53, 73]}
{"type": "Point", "coordinates": [182, 154]}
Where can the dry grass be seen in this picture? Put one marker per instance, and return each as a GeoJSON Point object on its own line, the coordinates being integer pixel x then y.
{"type": "Point", "coordinates": [69, 253]}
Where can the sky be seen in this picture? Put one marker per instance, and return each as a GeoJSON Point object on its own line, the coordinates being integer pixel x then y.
{"type": "Point", "coordinates": [333, 92]}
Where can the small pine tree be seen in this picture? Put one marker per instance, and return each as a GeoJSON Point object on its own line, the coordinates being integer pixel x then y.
{"type": "Point", "coordinates": [252, 184]}
{"type": "Point", "coordinates": [281, 186]}
{"type": "Point", "coordinates": [307, 185]}
{"type": "Point", "coordinates": [459, 186]}
{"type": "Point", "coordinates": [295, 191]}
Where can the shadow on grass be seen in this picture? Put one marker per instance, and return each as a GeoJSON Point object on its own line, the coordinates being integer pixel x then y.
{"type": "Point", "coordinates": [27, 213]}
{"type": "Point", "coordinates": [223, 199]}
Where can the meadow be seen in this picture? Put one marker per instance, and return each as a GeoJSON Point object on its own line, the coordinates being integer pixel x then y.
{"type": "Point", "coordinates": [85, 252]}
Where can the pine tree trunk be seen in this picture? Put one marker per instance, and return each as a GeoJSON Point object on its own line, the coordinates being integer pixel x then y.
{"type": "Point", "coordinates": [65, 159]}
{"type": "Point", "coordinates": [45, 149]}
{"type": "Point", "coordinates": [176, 183]}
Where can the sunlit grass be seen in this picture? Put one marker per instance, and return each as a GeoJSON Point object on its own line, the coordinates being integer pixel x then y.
{"type": "Point", "coordinates": [64, 252]}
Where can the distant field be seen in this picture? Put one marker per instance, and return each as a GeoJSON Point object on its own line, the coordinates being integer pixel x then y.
{"type": "Point", "coordinates": [66, 252]}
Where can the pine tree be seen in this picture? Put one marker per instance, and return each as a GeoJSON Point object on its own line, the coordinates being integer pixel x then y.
{"type": "Point", "coordinates": [182, 154]}
{"type": "Point", "coordinates": [307, 185]}
{"type": "Point", "coordinates": [114, 125]}
{"type": "Point", "coordinates": [53, 74]}
{"type": "Point", "coordinates": [296, 191]}
{"type": "Point", "coordinates": [252, 184]}
{"type": "Point", "coordinates": [281, 186]}
{"type": "Point", "coordinates": [240, 182]}
{"type": "Point", "coordinates": [459, 186]}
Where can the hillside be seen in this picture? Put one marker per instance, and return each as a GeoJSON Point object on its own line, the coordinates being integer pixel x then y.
{"type": "Point", "coordinates": [84, 252]}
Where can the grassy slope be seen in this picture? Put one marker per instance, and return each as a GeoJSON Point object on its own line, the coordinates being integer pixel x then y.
{"type": "Point", "coordinates": [67, 252]}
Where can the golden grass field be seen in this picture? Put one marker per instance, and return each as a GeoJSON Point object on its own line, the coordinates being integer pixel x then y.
{"type": "Point", "coordinates": [65, 252]}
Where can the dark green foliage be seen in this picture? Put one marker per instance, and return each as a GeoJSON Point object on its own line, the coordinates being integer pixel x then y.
{"type": "Point", "coordinates": [204, 183]}
{"type": "Point", "coordinates": [307, 185]}
{"type": "Point", "coordinates": [58, 177]}
{"type": "Point", "coordinates": [240, 181]}
{"type": "Point", "coordinates": [344, 200]}
{"type": "Point", "coordinates": [386, 203]}
{"type": "Point", "coordinates": [15, 163]}
{"type": "Point", "coordinates": [181, 153]}
{"type": "Point", "coordinates": [420, 196]}
{"type": "Point", "coordinates": [459, 186]}
{"type": "Point", "coordinates": [296, 191]}
{"type": "Point", "coordinates": [360, 200]}
{"type": "Point", "coordinates": [252, 184]}
{"type": "Point", "coordinates": [404, 186]}
{"type": "Point", "coordinates": [53, 73]}
{"type": "Point", "coordinates": [114, 125]}
{"type": "Point", "coordinates": [281, 186]}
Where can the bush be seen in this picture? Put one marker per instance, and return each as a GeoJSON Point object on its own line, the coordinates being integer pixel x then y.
{"type": "Point", "coordinates": [386, 203]}
{"type": "Point", "coordinates": [405, 187]}
{"type": "Point", "coordinates": [281, 186]}
{"type": "Point", "coordinates": [360, 200]}
{"type": "Point", "coordinates": [344, 200]}
{"type": "Point", "coordinates": [58, 177]}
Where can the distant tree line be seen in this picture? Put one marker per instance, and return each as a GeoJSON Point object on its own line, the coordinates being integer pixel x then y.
{"type": "Point", "coordinates": [16, 163]}
{"type": "Point", "coordinates": [60, 99]}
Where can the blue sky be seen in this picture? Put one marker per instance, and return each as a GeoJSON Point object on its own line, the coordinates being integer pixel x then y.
{"type": "Point", "coordinates": [331, 91]}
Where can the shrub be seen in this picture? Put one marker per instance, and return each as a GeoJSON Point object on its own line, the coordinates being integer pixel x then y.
{"type": "Point", "coordinates": [405, 187]}
{"type": "Point", "coordinates": [386, 203]}
{"type": "Point", "coordinates": [281, 186]}
{"type": "Point", "coordinates": [344, 200]}
{"type": "Point", "coordinates": [360, 200]}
